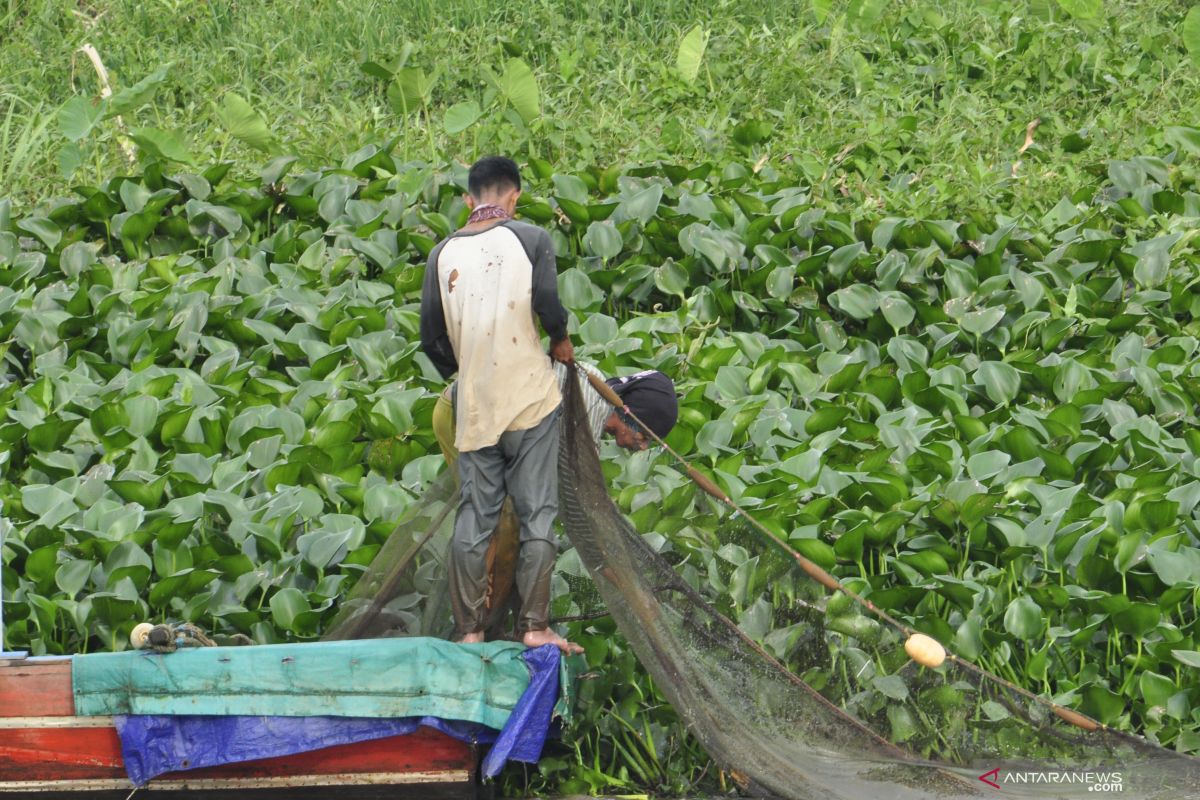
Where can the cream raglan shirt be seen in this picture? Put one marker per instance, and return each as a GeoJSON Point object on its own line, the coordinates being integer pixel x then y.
{"type": "Point", "coordinates": [492, 286]}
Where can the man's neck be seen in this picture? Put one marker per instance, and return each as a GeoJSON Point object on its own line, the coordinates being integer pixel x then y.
{"type": "Point", "coordinates": [484, 224]}
{"type": "Point", "coordinates": [475, 227]}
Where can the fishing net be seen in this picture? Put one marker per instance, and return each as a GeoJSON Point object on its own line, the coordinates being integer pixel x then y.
{"type": "Point", "coordinates": [404, 590]}
{"type": "Point", "coordinates": [868, 721]}
{"type": "Point", "coordinates": [841, 711]}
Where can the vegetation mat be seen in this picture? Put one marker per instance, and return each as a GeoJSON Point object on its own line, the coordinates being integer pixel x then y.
{"type": "Point", "coordinates": [215, 410]}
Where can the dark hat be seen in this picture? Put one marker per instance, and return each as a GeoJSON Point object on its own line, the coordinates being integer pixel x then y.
{"type": "Point", "coordinates": [650, 395]}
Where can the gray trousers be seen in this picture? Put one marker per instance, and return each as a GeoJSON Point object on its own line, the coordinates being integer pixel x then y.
{"type": "Point", "coordinates": [523, 465]}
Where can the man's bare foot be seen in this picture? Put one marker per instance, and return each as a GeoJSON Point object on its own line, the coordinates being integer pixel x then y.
{"type": "Point", "coordinates": [547, 636]}
{"type": "Point", "coordinates": [471, 638]}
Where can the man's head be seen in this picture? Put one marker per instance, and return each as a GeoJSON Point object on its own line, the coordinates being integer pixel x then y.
{"type": "Point", "coordinates": [494, 180]}
{"type": "Point", "coordinates": [650, 395]}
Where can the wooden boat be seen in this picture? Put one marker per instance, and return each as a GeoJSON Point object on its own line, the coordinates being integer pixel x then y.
{"type": "Point", "coordinates": [47, 751]}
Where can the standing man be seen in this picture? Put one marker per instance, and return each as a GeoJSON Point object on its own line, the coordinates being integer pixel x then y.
{"type": "Point", "coordinates": [650, 395]}
{"type": "Point", "coordinates": [484, 285]}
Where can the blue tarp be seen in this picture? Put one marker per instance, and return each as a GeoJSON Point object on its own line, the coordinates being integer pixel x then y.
{"type": "Point", "coordinates": [156, 744]}
{"type": "Point", "coordinates": [525, 732]}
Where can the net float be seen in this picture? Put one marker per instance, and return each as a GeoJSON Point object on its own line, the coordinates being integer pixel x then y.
{"type": "Point", "coordinates": [140, 634]}
{"type": "Point", "coordinates": [925, 650]}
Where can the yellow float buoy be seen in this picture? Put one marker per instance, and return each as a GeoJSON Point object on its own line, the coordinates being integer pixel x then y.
{"type": "Point", "coordinates": [925, 650]}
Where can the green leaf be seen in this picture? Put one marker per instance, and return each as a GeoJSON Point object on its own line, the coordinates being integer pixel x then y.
{"type": "Point", "coordinates": [286, 605]}
{"type": "Point", "coordinates": [1103, 704]}
{"type": "Point", "coordinates": [323, 548]}
{"type": "Point", "coordinates": [1156, 689]}
{"type": "Point", "coordinates": [825, 419]}
{"type": "Point", "coordinates": [820, 9]}
{"type": "Point", "coordinates": [850, 545]}
{"type": "Point", "coordinates": [394, 408]}
{"type": "Point", "coordinates": [161, 144]}
{"type": "Point", "coordinates": [731, 383]}
{"type": "Point", "coordinates": [866, 14]}
{"type": "Point", "coordinates": [691, 53]}
{"type": "Point", "coordinates": [133, 97]}
{"type": "Point", "coordinates": [334, 433]}
{"type": "Point", "coordinates": [377, 70]}
{"type": "Point", "coordinates": [577, 291]}
{"type": "Point", "coordinates": [148, 495]}
{"type": "Point", "coordinates": [988, 464]}
{"type": "Point", "coordinates": [748, 134]}
{"type": "Point", "coordinates": [859, 301]}
{"type": "Point", "coordinates": [927, 562]}
{"type": "Point", "coordinates": [1184, 137]}
{"type": "Point", "coordinates": [576, 212]}
{"type": "Point", "coordinates": [70, 160]}
{"type": "Point", "coordinates": [1153, 259]}
{"type": "Point", "coordinates": [76, 258]}
{"type": "Point", "coordinates": [50, 503]}
{"type": "Point", "coordinates": [816, 551]}
{"type": "Point", "coordinates": [670, 278]}
{"type": "Point", "coordinates": [520, 87]}
{"type": "Point", "coordinates": [570, 187]}
{"type": "Point", "coordinates": [73, 575]}
{"type": "Point", "coordinates": [603, 240]}
{"type": "Point", "coordinates": [1138, 619]}
{"type": "Point", "coordinates": [1158, 514]}
{"type": "Point", "coordinates": [713, 438]}
{"type": "Point", "coordinates": [1175, 568]}
{"type": "Point", "coordinates": [968, 639]}
{"type": "Point", "coordinates": [1127, 554]}
{"type": "Point", "coordinates": [410, 90]}
{"type": "Point", "coordinates": [44, 230]}
{"type": "Point", "coordinates": [1000, 381]}
{"type": "Point", "coordinates": [892, 686]}
{"type": "Point", "coordinates": [896, 310]}
{"type": "Point", "coordinates": [461, 116]}
{"type": "Point", "coordinates": [1189, 657]}
{"type": "Point", "coordinates": [643, 205]}
{"type": "Point", "coordinates": [242, 122]}
{"type": "Point", "coordinates": [980, 322]}
{"type": "Point", "coordinates": [78, 116]}
{"type": "Point", "coordinates": [1082, 9]}
{"type": "Point", "coordinates": [1023, 619]}
{"type": "Point", "coordinates": [598, 329]}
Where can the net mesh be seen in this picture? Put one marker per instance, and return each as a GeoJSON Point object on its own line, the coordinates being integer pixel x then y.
{"type": "Point", "coordinates": [404, 591]}
{"type": "Point", "coordinates": [843, 712]}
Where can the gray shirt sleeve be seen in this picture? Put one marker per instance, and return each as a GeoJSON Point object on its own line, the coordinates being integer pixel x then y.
{"type": "Point", "coordinates": [435, 340]}
{"type": "Point", "coordinates": [546, 305]}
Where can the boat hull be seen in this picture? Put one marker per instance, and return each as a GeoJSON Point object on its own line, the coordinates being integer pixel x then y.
{"type": "Point", "coordinates": [46, 751]}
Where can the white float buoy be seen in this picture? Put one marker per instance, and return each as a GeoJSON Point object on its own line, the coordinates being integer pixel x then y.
{"type": "Point", "coordinates": [140, 634]}
{"type": "Point", "coordinates": [925, 650]}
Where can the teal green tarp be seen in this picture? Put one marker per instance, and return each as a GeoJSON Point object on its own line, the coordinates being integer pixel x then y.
{"type": "Point", "coordinates": [405, 677]}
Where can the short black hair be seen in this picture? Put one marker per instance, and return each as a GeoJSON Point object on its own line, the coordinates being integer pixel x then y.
{"type": "Point", "coordinates": [493, 172]}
